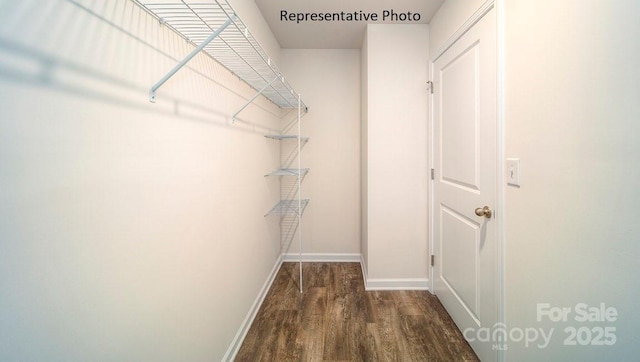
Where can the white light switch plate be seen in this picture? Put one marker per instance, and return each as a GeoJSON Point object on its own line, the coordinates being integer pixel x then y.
{"type": "Point", "coordinates": [513, 171]}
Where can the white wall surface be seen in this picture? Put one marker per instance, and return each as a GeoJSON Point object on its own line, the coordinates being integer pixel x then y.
{"type": "Point", "coordinates": [129, 231]}
{"type": "Point", "coordinates": [396, 132]}
{"type": "Point", "coordinates": [329, 82]}
{"type": "Point", "coordinates": [571, 116]}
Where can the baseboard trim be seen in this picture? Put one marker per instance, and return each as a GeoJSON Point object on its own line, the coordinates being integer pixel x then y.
{"type": "Point", "coordinates": [392, 284]}
{"type": "Point", "coordinates": [397, 284]}
{"type": "Point", "coordinates": [235, 345]}
{"type": "Point", "coordinates": [365, 273]}
{"type": "Point", "coordinates": [320, 257]}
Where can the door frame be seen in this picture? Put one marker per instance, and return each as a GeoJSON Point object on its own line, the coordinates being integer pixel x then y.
{"type": "Point", "coordinates": [499, 219]}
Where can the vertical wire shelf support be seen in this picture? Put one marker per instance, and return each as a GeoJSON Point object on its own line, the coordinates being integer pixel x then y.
{"type": "Point", "coordinates": [299, 193]}
{"type": "Point", "coordinates": [293, 204]}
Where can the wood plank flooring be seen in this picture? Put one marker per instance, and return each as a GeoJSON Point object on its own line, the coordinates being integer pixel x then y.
{"type": "Point", "coordinates": [335, 319]}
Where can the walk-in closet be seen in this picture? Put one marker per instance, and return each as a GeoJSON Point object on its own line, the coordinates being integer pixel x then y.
{"type": "Point", "coordinates": [319, 180]}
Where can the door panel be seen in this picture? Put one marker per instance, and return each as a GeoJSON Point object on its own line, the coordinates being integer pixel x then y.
{"type": "Point", "coordinates": [465, 136]}
{"type": "Point", "coordinates": [459, 258]}
{"type": "Point", "coordinates": [459, 82]}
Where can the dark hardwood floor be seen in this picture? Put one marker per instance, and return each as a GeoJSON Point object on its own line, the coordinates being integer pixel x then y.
{"type": "Point", "coordinates": [335, 319]}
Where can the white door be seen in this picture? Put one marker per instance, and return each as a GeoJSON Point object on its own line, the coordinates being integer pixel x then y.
{"type": "Point", "coordinates": [465, 154]}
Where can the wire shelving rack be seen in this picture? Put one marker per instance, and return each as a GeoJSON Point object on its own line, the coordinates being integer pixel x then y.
{"type": "Point", "coordinates": [213, 27]}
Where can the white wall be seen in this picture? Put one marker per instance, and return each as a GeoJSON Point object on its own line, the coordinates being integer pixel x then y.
{"type": "Point", "coordinates": [571, 116]}
{"type": "Point", "coordinates": [329, 82]}
{"type": "Point", "coordinates": [396, 154]}
{"type": "Point", "coordinates": [128, 230]}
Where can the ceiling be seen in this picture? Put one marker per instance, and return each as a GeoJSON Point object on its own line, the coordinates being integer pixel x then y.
{"type": "Point", "coordinates": [339, 34]}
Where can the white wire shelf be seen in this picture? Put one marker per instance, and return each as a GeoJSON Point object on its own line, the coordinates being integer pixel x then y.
{"type": "Point", "coordinates": [234, 47]}
{"type": "Point", "coordinates": [288, 207]}
{"type": "Point", "coordinates": [287, 137]}
{"type": "Point", "coordinates": [289, 172]}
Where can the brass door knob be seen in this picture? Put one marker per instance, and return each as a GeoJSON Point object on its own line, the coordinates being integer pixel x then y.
{"type": "Point", "coordinates": [485, 211]}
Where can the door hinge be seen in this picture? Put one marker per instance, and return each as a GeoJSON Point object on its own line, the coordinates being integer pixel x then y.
{"type": "Point", "coordinates": [433, 260]}
{"type": "Point", "coordinates": [433, 174]}
{"type": "Point", "coordinates": [430, 86]}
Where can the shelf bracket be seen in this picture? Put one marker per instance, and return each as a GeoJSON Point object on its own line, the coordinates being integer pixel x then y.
{"type": "Point", "coordinates": [152, 92]}
{"type": "Point", "coordinates": [253, 98]}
